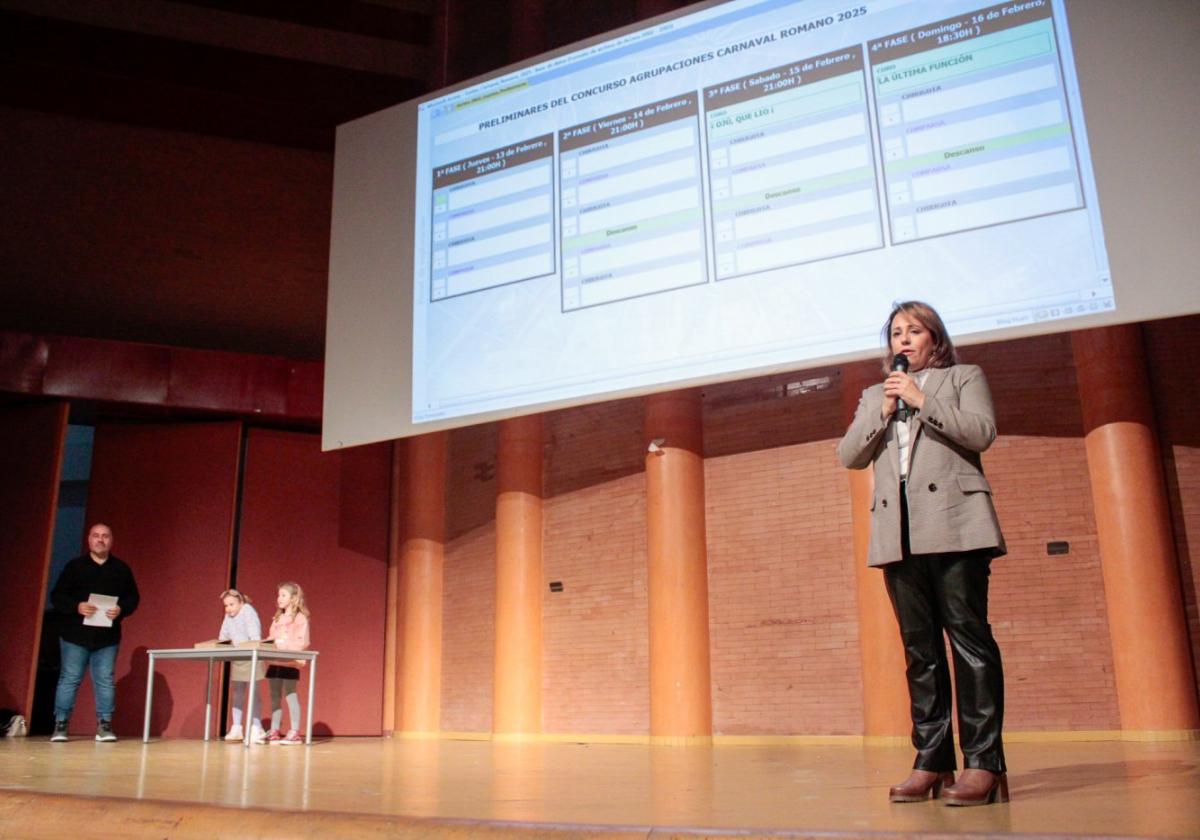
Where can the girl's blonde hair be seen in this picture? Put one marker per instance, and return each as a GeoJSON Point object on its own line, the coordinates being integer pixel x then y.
{"type": "Point", "coordinates": [297, 597]}
{"type": "Point", "coordinates": [944, 354]}
{"type": "Point", "coordinates": [245, 599]}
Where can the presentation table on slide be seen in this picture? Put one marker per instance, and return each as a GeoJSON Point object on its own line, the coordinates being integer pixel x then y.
{"type": "Point", "coordinates": [493, 218]}
{"type": "Point", "coordinates": [733, 190]}
{"type": "Point", "coordinates": [974, 127]}
{"type": "Point", "coordinates": [632, 208]}
{"type": "Point", "coordinates": [790, 163]}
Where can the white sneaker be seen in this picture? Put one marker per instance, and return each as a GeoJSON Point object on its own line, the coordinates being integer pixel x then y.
{"type": "Point", "coordinates": [235, 733]}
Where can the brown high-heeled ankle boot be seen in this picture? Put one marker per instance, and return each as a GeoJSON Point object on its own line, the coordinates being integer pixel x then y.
{"type": "Point", "coordinates": [977, 787]}
{"type": "Point", "coordinates": [921, 785]}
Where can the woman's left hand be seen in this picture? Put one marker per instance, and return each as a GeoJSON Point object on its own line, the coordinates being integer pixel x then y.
{"type": "Point", "coordinates": [900, 385]}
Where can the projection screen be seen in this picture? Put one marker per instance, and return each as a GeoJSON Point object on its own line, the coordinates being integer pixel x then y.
{"type": "Point", "coordinates": [744, 189]}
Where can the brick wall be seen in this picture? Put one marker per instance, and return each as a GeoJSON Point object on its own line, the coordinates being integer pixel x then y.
{"type": "Point", "coordinates": [468, 619]}
{"type": "Point", "coordinates": [1170, 351]}
{"type": "Point", "coordinates": [469, 580]}
{"type": "Point", "coordinates": [596, 641]}
{"type": "Point", "coordinates": [1048, 613]}
{"type": "Point", "coordinates": [782, 611]}
{"type": "Point", "coordinates": [771, 412]}
{"type": "Point", "coordinates": [783, 618]}
{"type": "Point", "coordinates": [1183, 482]}
{"type": "Point", "coordinates": [470, 479]}
{"type": "Point", "coordinates": [591, 445]}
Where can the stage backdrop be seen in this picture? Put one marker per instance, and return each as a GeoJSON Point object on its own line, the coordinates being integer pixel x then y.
{"type": "Point", "coordinates": [168, 493]}
{"type": "Point", "coordinates": [31, 447]}
{"type": "Point", "coordinates": [321, 520]}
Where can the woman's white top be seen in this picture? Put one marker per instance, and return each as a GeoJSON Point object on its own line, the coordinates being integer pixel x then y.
{"type": "Point", "coordinates": [243, 627]}
{"type": "Point", "coordinates": [904, 428]}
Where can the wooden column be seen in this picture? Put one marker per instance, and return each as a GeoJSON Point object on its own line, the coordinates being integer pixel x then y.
{"type": "Point", "coordinates": [517, 676]}
{"type": "Point", "coordinates": [885, 692]}
{"type": "Point", "coordinates": [419, 588]}
{"type": "Point", "coordinates": [680, 679]}
{"type": "Point", "coordinates": [1152, 664]}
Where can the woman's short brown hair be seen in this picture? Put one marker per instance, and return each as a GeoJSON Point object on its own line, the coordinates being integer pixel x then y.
{"type": "Point", "coordinates": [944, 354]}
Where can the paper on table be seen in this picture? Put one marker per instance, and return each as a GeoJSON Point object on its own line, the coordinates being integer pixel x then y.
{"type": "Point", "coordinates": [101, 603]}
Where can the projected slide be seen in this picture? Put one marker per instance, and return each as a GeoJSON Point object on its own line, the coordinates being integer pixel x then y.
{"type": "Point", "coordinates": [632, 222]}
{"type": "Point", "coordinates": [742, 189]}
{"type": "Point", "coordinates": [791, 165]}
{"type": "Point", "coordinates": [973, 122]}
{"type": "Point", "coordinates": [493, 219]}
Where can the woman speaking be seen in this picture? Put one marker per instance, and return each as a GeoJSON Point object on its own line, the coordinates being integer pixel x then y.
{"type": "Point", "coordinates": [934, 532]}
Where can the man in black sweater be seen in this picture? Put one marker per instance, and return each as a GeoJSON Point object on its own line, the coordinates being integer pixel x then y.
{"type": "Point", "coordinates": [88, 639]}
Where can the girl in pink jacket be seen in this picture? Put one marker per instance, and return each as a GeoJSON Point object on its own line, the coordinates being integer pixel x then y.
{"type": "Point", "coordinates": [289, 631]}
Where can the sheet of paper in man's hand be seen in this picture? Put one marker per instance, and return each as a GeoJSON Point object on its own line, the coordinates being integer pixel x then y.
{"type": "Point", "coordinates": [101, 603]}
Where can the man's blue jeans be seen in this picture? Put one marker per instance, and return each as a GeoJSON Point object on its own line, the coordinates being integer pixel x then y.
{"type": "Point", "coordinates": [75, 660]}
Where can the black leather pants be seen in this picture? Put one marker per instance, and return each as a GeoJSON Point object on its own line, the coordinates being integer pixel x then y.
{"type": "Point", "coordinates": [932, 593]}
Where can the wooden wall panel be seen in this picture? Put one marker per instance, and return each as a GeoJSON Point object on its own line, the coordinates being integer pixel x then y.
{"type": "Point", "coordinates": [168, 492]}
{"type": "Point", "coordinates": [31, 448]}
{"type": "Point", "coordinates": [321, 520]}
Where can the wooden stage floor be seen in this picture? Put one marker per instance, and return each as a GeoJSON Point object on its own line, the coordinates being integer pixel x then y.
{"type": "Point", "coordinates": [364, 787]}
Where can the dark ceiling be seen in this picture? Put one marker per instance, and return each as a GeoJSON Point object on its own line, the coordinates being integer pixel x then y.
{"type": "Point", "coordinates": [279, 72]}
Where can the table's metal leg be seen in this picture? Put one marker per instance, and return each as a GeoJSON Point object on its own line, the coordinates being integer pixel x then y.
{"type": "Point", "coordinates": [208, 701]}
{"type": "Point", "coordinates": [149, 700]}
{"type": "Point", "coordinates": [251, 690]}
{"type": "Point", "coordinates": [312, 685]}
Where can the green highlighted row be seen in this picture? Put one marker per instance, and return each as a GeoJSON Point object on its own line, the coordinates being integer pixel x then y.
{"type": "Point", "coordinates": [968, 150]}
{"type": "Point", "coordinates": [784, 107]}
{"type": "Point", "coordinates": [629, 230]}
{"type": "Point", "coordinates": [982, 53]}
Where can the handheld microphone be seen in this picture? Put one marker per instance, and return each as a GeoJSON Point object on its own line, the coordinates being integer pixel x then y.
{"type": "Point", "coordinates": [900, 362]}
